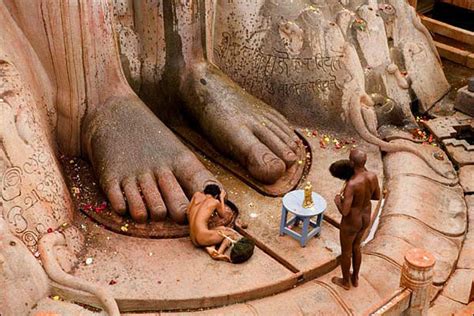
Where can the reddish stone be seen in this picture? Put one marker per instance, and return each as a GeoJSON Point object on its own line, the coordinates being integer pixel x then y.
{"type": "Point", "coordinates": [399, 234]}
{"type": "Point", "coordinates": [459, 285]}
{"type": "Point", "coordinates": [405, 163]}
{"type": "Point", "coordinates": [441, 207]}
{"type": "Point", "coordinates": [444, 306]}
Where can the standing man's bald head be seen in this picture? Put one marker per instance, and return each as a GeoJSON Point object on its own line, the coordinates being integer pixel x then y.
{"type": "Point", "coordinates": [358, 158]}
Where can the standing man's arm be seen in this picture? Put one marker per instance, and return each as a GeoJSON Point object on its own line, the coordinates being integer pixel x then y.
{"type": "Point", "coordinates": [375, 185]}
{"type": "Point", "coordinates": [344, 205]}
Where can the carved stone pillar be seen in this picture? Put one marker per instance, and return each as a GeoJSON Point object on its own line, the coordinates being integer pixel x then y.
{"type": "Point", "coordinates": [417, 275]}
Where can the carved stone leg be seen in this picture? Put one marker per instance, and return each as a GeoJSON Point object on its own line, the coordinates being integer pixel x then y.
{"type": "Point", "coordinates": [239, 125]}
{"type": "Point", "coordinates": [34, 196]}
{"type": "Point", "coordinates": [97, 109]}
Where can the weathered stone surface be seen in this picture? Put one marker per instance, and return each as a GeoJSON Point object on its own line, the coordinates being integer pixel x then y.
{"type": "Point", "coordinates": [49, 307]}
{"type": "Point", "coordinates": [444, 306]}
{"type": "Point", "coordinates": [422, 62]}
{"type": "Point", "coordinates": [466, 311]}
{"type": "Point", "coordinates": [173, 274]}
{"type": "Point", "coordinates": [22, 278]}
{"type": "Point", "coordinates": [312, 298]}
{"type": "Point", "coordinates": [379, 279]}
{"type": "Point", "coordinates": [466, 258]}
{"type": "Point", "coordinates": [466, 178]}
{"type": "Point", "coordinates": [459, 286]}
{"type": "Point", "coordinates": [405, 163]}
{"type": "Point", "coordinates": [458, 153]}
{"type": "Point", "coordinates": [465, 101]}
{"type": "Point", "coordinates": [398, 234]}
{"type": "Point", "coordinates": [33, 192]}
{"type": "Point", "coordinates": [438, 206]}
{"type": "Point", "coordinates": [459, 143]}
{"type": "Point", "coordinates": [442, 127]}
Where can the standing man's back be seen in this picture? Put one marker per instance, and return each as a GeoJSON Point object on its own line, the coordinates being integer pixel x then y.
{"type": "Point", "coordinates": [355, 206]}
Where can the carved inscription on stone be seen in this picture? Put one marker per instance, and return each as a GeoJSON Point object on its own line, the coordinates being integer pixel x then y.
{"type": "Point", "coordinates": [257, 71]}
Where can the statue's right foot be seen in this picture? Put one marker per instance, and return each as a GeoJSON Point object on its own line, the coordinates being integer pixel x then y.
{"type": "Point", "coordinates": [140, 162]}
{"type": "Point", "coordinates": [240, 125]}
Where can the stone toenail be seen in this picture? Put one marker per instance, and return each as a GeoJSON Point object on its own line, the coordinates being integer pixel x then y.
{"type": "Point", "coordinates": [269, 159]}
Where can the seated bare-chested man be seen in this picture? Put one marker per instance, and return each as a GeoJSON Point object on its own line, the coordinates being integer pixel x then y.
{"type": "Point", "coordinates": [200, 210]}
{"type": "Point", "coordinates": [354, 203]}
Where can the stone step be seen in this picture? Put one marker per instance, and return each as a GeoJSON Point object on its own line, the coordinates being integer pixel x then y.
{"type": "Point", "coordinates": [459, 286]}
{"type": "Point", "coordinates": [444, 306]}
{"type": "Point", "coordinates": [311, 298]}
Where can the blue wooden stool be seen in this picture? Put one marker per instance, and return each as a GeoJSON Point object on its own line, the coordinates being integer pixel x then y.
{"type": "Point", "coordinates": [293, 203]}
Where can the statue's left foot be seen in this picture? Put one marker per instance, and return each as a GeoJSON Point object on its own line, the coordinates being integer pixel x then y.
{"type": "Point", "coordinates": [240, 125]}
{"type": "Point", "coordinates": [141, 165]}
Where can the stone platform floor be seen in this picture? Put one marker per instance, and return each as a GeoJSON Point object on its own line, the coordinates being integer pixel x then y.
{"type": "Point", "coordinates": [147, 275]}
{"type": "Point", "coordinates": [171, 275]}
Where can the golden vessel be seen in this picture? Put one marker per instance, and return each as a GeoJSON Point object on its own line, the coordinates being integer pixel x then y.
{"type": "Point", "coordinates": [308, 195]}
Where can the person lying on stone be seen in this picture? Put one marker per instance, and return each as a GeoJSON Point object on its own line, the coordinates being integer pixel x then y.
{"type": "Point", "coordinates": [354, 203]}
{"type": "Point", "coordinates": [199, 211]}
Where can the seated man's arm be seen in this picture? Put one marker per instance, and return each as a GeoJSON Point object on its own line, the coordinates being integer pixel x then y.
{"type": "Point", "coordinates": [221, 209]}
{"type": "Point", "coordinates": [344, 205]}
{"type": "Point", "coordinates": [376, 195]}
{"type": "Point", "coordinates": [191, 203]}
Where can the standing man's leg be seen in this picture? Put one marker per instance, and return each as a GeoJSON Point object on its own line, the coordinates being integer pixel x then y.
{"type": "Point", "coordinates": [357, 257]}
{"type": "Point", "coordinates": [356, 251]}
{"type": "Point", "coordinates": [347, 240]}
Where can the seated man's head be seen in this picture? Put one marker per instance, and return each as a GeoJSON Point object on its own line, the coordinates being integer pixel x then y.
{"type": "Point", "coordinates": [242, 250]}
{"type": "Point", "coordinates": [213, 190]}
{"type": "Point", "coordinates": [342, 169]}
{"type": "Point", "coordinates": [358, 158]}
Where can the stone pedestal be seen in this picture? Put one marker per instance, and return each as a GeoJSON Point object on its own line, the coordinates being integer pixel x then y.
{"type": "Point", "coordinates": [465, 98]}
{"type": "Point", "coordinates": [417, 275]}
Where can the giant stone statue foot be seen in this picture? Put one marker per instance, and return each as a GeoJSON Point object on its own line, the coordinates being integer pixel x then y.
{"type": "Point", "coordinates": [142, 166]}
{"type": "Point", "coordinates": [240, 125]}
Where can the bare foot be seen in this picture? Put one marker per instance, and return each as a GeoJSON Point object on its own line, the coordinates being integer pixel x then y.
{"type": "Point", "coordinates": [354, 280]}
{"type": "Point", "coordinates": [340, 282]}
{"type": "Point", "coordinates": [134, 152]}
{"type": "Point", "coordinates": [238, 124]}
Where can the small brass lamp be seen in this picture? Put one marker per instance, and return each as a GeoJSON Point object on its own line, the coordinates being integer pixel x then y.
{"type": "Point", "coordinates": [308, 195]}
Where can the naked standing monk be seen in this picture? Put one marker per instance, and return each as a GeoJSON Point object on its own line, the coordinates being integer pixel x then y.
{"type": "Point", "coordinates": [355, 206]}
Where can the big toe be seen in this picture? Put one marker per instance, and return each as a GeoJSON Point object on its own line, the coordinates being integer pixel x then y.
{"type": "Point", "coordinates": [264, 165]}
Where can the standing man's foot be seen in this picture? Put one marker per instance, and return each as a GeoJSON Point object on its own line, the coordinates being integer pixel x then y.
{"type": "Point", "coordinates": [340, 282]}
{"type": "Point", "coordinates": [142, 166]}
{"type": "Point", "coordinates": [354, 280]}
